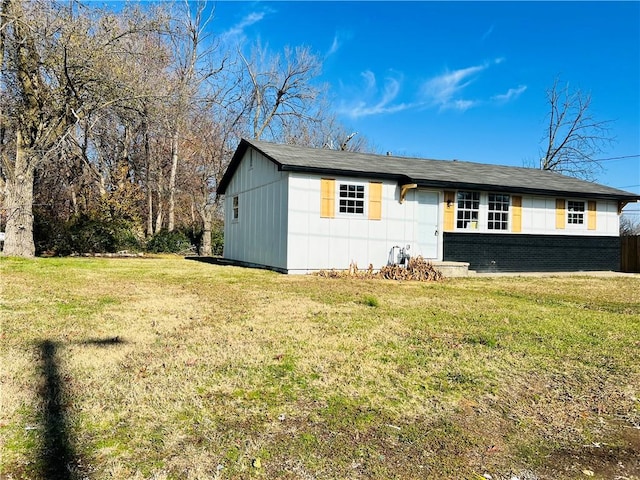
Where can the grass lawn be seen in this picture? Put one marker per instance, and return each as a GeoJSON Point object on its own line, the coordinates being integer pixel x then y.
{"type": "Point", "coordinates": [163, 368]}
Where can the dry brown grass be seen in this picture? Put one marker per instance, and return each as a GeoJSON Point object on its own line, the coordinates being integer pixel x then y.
{"type": "Point", "coordinates": [166, 368]}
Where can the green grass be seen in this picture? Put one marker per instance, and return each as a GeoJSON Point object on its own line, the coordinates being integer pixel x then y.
{"type": "Point", "coordinates": [170, 369]}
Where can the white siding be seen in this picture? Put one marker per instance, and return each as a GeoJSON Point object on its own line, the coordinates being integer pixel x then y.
{"type": "Point", "coordinates": [259, 234]}
{"type": "Point", "coordinates": [317, 243]}
{"type": "Point", "coordinates": [539, 217]}
{"type": "Point", "coordinates": [280, 226]}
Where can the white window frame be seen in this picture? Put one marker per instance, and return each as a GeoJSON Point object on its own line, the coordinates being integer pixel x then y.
{"type": "Point", "coordinates": [356, 186]}
{"type": "Point", "coordinates": [235, 208]}
{"type": "Point", "coordinates": [468, 223]}
{"type": "Point", "coordinates": [580, 214]}
{"type": "Point", "coordinates": [506, 214]}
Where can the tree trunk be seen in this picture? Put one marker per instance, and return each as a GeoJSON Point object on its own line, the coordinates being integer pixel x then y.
{"type": "Point", "coordinates": [150, 211]}
{"type": "Point", "coordinates": [172, 180]}
{"type": "Point", "coordinates": [74, 199]}
{"type": "Point", "coordinates": [147, 162]}
{"type": "Point", "coordinates": [207, 222]}
{"type": "Point", "coordinates": [159, 217]}
{"type": "Point", "coordinates": [19, 229]}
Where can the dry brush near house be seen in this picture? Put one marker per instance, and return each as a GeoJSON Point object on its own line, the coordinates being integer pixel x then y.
{"type": "Point", "coordinates": [159, 368]}
{"type": "Point", "coordinates": [416, 269]}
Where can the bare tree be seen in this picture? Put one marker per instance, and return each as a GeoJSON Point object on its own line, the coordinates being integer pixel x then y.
{"type": "Point", "coordinates": [40, 119]}
{"type": "Point", "coordinates": [282, 93]}
{"type": "Point", "coordinates": [629, 224]}
{"type": "Point", "coordinates": [192, 53]}
{"type": "Point", "coordinates": [574, 137]}
{"type": "Point", "coordinates": [59, 67]}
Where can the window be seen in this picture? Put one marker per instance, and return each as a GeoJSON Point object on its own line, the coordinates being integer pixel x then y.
{"type": "Point", "coordinates": [236, 209]}
{"type": "Point", "coordinates": [498, 216]}
{"type": "Point", "coordinates": [468, 208]}
{"type": "Point", "coordinates": [351, 199]}
{"type": "Point", "coordinates": [575, 213]}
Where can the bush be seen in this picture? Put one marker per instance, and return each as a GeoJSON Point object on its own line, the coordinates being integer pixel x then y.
{"type": "Point", "coordinates": [86, 233]}
{"type": "Point", "coordinates": [168, 242]}
{"type": "Point", "coordinates": [92, 235]}
{"type": "Point", "coordinates": [217, 239]}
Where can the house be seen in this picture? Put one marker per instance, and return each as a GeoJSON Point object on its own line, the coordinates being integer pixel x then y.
{"type": "Point", "coordinates": [296, 210]}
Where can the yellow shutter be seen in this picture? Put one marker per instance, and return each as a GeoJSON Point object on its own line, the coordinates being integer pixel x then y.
{"type": "Point", "coordinates": [591, 215]}
{"type": "Point", "coordinates": [560, 213]}
{"type": "Point", "coordinates": [327, 198]}
{"type": "Point", "coordinates": [375, 200]}
{"type": "Point", "coordinates": [516, 214]}
{"type": "Point", "coordinates": [449, 211]}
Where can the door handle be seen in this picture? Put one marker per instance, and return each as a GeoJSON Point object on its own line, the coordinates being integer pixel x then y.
{"type": "Point", "coordinates": [436, 232]}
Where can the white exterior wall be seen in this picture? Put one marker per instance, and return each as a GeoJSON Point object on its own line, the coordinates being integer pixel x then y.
{"type": "Point", "coordinates": [259, 234]}
{"type": "Point", "coordinates": [539, 217]}
{"type": "Point", "coordinates": [280, 226]}
{"type": "Point", "coordinates": [316, 243]}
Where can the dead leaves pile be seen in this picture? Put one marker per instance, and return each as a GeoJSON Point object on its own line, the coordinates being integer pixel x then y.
{"type": "Point", "coordinates": [416, 269]}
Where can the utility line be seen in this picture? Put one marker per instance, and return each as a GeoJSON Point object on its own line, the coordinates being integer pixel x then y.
{"type": "Point", "coordinates": [616, 158]}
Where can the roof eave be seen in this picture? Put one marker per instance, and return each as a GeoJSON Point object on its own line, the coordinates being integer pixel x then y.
{"type": "Point", "coordinates": [338, 172]}
{"type": "Point", "coordinates": [485, 187]}
{"type": "Point", "coordinates": [242, 148]}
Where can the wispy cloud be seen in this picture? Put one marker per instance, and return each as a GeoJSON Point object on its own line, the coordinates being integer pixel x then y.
{"type": "Point", "coordinates": [375, 100]}
{"type": "Point", "coordinates": [340, 39]}
{"type": "Point", "coordinates": [488, 33]}
{"type": "Point", "coordinates": [511, 94]}
{"type": "Point", "coordinates": [447, 90]}
{"type": "Point", "coordinates": [238, 29]}
{"type": "Point", "coordinates": [464, 105]}
{"type": "Point", "coordinates": [443, 89]}
{"type": "Point", "coordinates": [335, 46]}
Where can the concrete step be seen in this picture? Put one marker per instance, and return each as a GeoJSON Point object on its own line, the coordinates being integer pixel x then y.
{"type": "Point", "coordinates": [453, 269]}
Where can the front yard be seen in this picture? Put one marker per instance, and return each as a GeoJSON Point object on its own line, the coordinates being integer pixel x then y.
{"type": "Point", "coordinates": [164, 368]}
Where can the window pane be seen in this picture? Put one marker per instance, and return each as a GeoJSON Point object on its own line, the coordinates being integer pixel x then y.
{"type": "Point", "coordinates": [351, 198]}
{"type": "Point", "coordinates": [468, 207]}
{"type": "Point", "coordinates": [498, 214]}
{"type": "Point", "coordinates": [575, 215]}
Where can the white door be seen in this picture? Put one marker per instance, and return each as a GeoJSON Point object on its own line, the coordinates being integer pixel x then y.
{"type": "Point", "coordinates": [427, 224]}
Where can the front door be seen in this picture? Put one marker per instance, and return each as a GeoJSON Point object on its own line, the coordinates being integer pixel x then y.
{"type": "Point", "coordinates": [427, 224]}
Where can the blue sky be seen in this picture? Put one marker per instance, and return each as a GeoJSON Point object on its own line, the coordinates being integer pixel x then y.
{"type": "Point", "coordinates": [463, 80]}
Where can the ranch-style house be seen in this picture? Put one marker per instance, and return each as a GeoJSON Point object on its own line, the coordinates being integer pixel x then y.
{"type": "Point", "coordinates": [296, 210]}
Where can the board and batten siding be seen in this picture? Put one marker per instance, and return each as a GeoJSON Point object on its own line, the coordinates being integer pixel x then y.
{"type": "Point", "coordinates": [538, 215]}
{"type": "Point", "coordinates": [548, 215]}
{"type": "Point", "coordinates": [321, 238]}
{"type": "Point", "coordinates": [259, 234]}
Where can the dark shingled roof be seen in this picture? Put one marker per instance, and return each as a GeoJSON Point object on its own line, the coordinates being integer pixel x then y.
{"type": "Point", "coordinates": [423, 172]}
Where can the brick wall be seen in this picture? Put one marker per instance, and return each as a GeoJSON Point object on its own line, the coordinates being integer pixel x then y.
{"type": "Point", "coordinates": [532, 253]}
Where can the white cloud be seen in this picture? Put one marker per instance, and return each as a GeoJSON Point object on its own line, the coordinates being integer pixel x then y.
{"type": "Point", "coordinates": [370, 79]}
{"type": "Point", "coordinates": [335, 45]}
{"type": "Point", "coordinates": [445, 90]}
{"type": "Point", "coordinates": [238, 29]}
{"type": "Point", "coordinates": [373, 100]}
{"type": "Point", "coordinates": [463, 105]}
{"type": "Point", "coordinates": [488, 33]}
{"type": "Point", "coordinates": [511, 94]}
{"type": "Point", "coordinates": [442, 89]}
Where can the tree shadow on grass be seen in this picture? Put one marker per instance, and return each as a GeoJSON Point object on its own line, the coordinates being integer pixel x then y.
{"type": "Point", "coordinates": [57, 457]}
{"type": "Point", "coordinates": [57, 453]}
